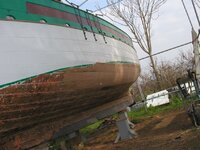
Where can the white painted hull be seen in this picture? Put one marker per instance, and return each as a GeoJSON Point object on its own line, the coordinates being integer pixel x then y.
{"type": "Point", "coordinates": [29, 49]}
{"type": "Point", "coordinates": [60, 93]}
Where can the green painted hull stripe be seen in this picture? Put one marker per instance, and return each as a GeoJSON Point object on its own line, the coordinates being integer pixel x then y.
{"type": "Point", "coordinates": [18, 9]}
{"type": "Point", "coordinates": [57, 70]}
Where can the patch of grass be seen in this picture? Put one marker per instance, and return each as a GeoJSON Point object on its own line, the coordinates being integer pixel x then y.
{"type": "Point", "coordinates": [137, 115]}
{"type": "Point", "coordinates": [91, 128]}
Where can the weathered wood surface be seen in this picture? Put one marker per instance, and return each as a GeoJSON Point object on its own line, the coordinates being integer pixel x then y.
{"type": "Point", "coordinates": [32, 112]}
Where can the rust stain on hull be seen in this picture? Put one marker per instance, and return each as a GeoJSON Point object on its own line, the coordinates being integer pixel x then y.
{"type": "Point", "coordinates": [43, 105]}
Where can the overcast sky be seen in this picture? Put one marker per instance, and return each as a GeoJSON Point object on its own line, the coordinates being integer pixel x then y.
{"type": "Point", "coordinates": [170, 29]}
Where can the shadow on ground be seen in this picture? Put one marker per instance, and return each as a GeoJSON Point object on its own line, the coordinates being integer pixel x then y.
{"type": "Point", "coordinates": [169, 131]}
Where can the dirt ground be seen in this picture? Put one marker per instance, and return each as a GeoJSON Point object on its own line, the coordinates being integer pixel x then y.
{"type": "Point", "coordinates": [168, 131]}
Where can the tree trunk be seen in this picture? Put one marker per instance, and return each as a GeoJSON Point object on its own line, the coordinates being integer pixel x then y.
{"type": "Point", "coordinates": [155, 72]}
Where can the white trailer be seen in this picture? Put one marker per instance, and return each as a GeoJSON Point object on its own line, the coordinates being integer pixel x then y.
{"type": "Point", "coordinates": [157, 99]}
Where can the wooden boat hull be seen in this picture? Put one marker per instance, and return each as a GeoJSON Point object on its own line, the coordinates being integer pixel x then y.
{"type": "Point", "coordinates": [51, 98]}
{"type": "Point", "coordinates": [53, 75]}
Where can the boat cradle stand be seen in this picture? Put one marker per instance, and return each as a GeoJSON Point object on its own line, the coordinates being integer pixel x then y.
{"type": "Point", "coordinates": [125, 127]}
{"type": "Point", "coordinates": [71, 132]}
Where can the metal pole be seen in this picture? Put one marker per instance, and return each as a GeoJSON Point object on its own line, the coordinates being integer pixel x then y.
{"type": "Point", "coordinates": [141, 93]}
{"type": "Point", "coordinates": [196, 55]}
{"type": "Point", "coordinates": [140, 90]}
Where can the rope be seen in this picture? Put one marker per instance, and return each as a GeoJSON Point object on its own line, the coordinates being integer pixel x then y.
{"type": "Point", "coordinates": [90, 24]}
{"type": "Point", "coordinates": [83, 3]}
{"type": "Point", "coordinates": [68, 2]}
{"type": "Point", "coordinates": [187, 13]}
{"type": "Point", "coordinates": [172, 48]}
{"type": "Point", "coordinates": [195, 10]}
{"type": "Point", "coordinates": [98, 26]}
{"type": "Point", "coordinates": [108, 5]}
{"type": "Point", "coordinates": [79, 19]}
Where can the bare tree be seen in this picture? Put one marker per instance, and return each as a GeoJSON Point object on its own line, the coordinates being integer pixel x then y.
{"type": "Point", "coordinates": [185, 60]}
{"type": "Point", "coordinates": [137, 15]}
{"type": "Point", "coordinates": [169, 72]}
